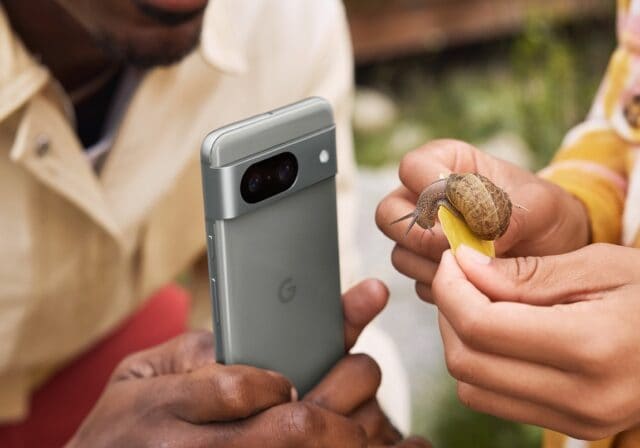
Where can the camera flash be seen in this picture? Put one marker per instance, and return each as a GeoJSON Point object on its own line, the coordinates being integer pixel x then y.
{"type": "Point", "coordinates": [324, 156]}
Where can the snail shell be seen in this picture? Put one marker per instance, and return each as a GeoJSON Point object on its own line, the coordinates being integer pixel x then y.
{"type": "Point", "coordinates": [485, 207]}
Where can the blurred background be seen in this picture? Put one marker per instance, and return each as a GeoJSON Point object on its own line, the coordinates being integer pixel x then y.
{"type": "Point", "coordinates": [510, 76]}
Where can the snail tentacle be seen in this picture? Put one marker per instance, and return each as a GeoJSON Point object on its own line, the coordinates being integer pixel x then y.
{"type": "Point", "coordinates": [483, 206]}
{"type": "Point", "coordinates": [411, 224]}
{"type": "Point", "coordinates": [414, 214]}
{"type": "Point", "coordinates": [407, 216]}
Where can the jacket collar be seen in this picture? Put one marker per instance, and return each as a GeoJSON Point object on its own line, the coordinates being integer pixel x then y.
{"type": "Point", "coordinates": [21, 76]}
{"type": "Point", "coordinates": [46, 146]}
{"type": "Point", "coordinates": [221, 45]}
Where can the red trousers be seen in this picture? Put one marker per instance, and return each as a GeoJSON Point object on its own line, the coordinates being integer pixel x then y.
{"type": "Point", "coordinates": [61, 404]}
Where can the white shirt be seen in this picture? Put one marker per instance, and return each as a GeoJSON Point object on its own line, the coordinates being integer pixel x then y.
{"type": "Point", "coordinates": [81, 250]}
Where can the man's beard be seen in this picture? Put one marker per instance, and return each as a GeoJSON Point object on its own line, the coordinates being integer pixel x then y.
{"type": "Point", "coordinates": [149, 53]}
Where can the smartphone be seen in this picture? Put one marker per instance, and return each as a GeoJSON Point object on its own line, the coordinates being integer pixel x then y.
{"type": "Point", "coordinates": [271, 221]}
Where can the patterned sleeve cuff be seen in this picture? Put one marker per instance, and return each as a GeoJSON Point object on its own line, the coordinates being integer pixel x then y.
{"type": "Point", "coordinates": [602, 197]}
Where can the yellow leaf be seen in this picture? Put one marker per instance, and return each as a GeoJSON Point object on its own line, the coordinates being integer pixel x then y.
{"type": "Point", "coordinates": [457, 232]}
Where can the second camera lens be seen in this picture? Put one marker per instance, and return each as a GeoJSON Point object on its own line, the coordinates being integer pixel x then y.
{"type": "Point", "coordinates": [286, 171]}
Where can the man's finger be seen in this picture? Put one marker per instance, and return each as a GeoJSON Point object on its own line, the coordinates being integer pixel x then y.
{"type": "Point", "coordinates": [360, 305]}
{"type": "Point", "coordinates": [299, 425]}
{"type": "Point", "coordinates": [218, 393]}
{"type": "Point", "coordinates": [577, 276]}
{"type": "Point", "coordinates": [538, 334]}
{"type": "Point", "coordinates": [411, 442]}
{"type": "Point", "coordinates": [414, 442]}
{"type": "Point", "coordinates": [350, 384]}
{"type": "Point", "coordinates": [380, 431]}
{"type": "Point", "coordinates": [181, 354]}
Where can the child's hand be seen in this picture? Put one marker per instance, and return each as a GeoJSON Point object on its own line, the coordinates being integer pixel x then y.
{"type": "Point", "coordinates": [552, 341]}
{"type": "Point", "coordinates": [555, 222]}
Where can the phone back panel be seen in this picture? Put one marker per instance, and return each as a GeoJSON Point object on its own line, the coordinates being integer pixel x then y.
{"type": "Point", "coordinates": [279, 295]}
{"type": "Point", "coordinates": [274, 265]}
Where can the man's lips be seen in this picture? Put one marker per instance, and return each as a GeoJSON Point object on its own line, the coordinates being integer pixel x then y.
{"type": "Point", "coordinates": [177, 6]}
{"type": "Point", "coordinates": [171, 12]}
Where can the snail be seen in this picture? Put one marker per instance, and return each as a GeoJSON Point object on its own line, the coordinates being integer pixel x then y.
{"type": "Point", "coordinates": [484, 207]}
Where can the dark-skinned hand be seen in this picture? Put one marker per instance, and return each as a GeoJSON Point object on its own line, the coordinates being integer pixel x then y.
{"type": "Point", "coordinates": [175, 395]}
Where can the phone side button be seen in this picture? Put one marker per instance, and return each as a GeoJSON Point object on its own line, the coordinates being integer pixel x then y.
{"type": "Point", "coordinates": [216, 325]}
{"type": "Point", "coordinates": [216, 306]}
{"type": "Point", "coordinates": [210, 244]}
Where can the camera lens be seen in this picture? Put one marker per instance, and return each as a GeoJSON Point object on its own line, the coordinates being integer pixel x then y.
{"type": "Point", "coordinates": [269, 177]}
{"type": "Point", "coordinates": [286, 171]}
{"type": "Point", "coordinates": [254, 183]}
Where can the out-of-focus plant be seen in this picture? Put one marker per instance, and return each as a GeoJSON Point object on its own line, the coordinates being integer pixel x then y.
{"type": "Point", "coordinates": [559, 73]}
{"type": "Point", "coordinates": [452, 425]}
{"type": "Point", "coordinates": [537, 85]}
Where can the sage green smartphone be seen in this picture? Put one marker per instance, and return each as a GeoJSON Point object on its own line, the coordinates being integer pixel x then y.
{"type": "Point", "coordinates": [270, 204]}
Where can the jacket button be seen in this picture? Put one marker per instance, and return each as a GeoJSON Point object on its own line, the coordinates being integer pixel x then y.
{"type": "Point", "coordinates": [43, 144]}
{"type": "Point", "coordinates": [632, 112]}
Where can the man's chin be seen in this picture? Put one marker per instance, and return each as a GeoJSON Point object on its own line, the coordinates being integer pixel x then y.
{"type": "Point", "coordinates": [150, 59]}
{"type": "Point", "coordinates": [146, 51]}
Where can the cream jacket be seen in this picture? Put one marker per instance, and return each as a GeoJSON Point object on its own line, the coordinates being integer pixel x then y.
{"type": "Point", "coordinates": [81, 251]}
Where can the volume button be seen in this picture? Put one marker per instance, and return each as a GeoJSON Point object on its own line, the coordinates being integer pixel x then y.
{"type": "Point", "coordinates": [210, 226]}
{"type": "Point", "coordinates": [216, 325]}
{"type": "Point", "coordinates": [216, 305]}
{"type": "Point", "coordinates": [212, 274]}
{"type": "Point", "coordinates": [214, 292]}
{"type": "Point", "coordinates": [210, 245]}
{"type": "Point", "coordinates": [211, 251]}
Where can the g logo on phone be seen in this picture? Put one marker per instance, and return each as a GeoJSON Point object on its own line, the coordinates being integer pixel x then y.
{"type": "Point", "coordinates": [287, 290]}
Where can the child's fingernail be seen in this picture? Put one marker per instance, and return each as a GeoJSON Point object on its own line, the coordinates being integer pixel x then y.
{"type": "Point", "coordinates": [294, 394]}
{"type": "Point", "coordinates": [473, 255]}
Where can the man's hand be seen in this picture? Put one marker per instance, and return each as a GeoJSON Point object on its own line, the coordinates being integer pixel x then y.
{"type": "Point", "coordinates": [350, 390]}
{"type": "Point", "coordinates": [156, 399]}
{"type": "Point", "coordinates": [551, 341]}
{"type": "Point", "coordinates": [556, 222]}
{"type": "Point", "coordinates": [176, 395]}
{"type": "Point", "coordinates": [351, 386]}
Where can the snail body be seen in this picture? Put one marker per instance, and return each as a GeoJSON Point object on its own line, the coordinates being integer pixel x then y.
{"type": "Point", "coordinates": [485, 208]}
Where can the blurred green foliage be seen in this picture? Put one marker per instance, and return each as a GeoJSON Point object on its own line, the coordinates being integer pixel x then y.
{"type": "Point", "coordinates": [451, 425]}
{"type": "Point", "coordinates": [537, 84]}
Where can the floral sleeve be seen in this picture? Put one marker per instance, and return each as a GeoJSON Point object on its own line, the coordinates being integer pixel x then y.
{"type": "Point", "coordinates": [596, 158]}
